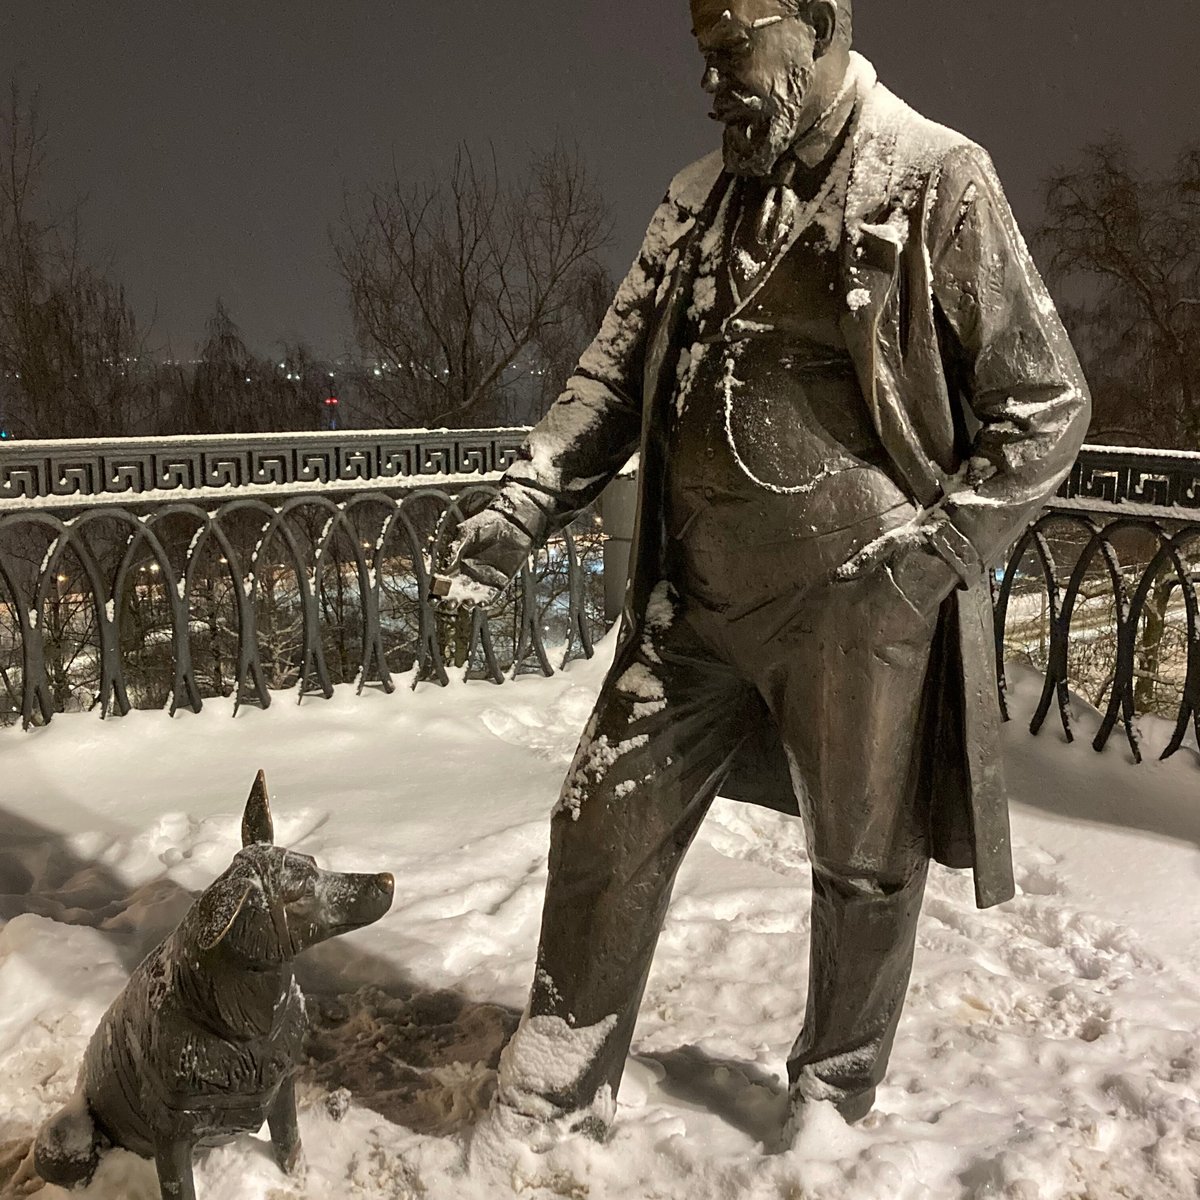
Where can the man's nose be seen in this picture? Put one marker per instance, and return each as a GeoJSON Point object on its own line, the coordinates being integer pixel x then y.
{"type": "Point", "coordinates": [711, 80]}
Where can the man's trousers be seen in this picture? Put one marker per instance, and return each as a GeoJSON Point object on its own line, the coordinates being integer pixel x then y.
{"type": "Point", "coordinates": [845, 685]}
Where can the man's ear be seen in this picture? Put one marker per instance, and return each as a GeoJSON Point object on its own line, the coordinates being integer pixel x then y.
{"type": "Point", "coordinates": [257, 825]}
{"type": "Point", "coordinates": [823, 17]}
{"type": "Point", "coordinates": [218, 908]}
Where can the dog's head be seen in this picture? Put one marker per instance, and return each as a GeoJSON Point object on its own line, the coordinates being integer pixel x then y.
{"type": "Point", "coordinates": [273, 903]}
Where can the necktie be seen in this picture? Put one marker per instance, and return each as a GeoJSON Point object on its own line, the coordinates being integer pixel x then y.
{"type": "Point", "coordinates": [767, 211]}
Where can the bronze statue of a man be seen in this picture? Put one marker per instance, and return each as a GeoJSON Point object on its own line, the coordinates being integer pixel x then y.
{"type": "Point", "coordinates": [850, 391]}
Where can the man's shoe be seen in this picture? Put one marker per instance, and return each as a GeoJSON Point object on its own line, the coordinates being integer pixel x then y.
{"type": "Point", "coordinates": [851, 1109]}
{"type": "Point", "coordinates": [502, 1125]}
{"type": "Point", "coordinates": [855, 1107]}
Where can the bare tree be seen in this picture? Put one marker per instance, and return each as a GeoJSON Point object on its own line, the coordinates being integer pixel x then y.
{"type": "Point", "coordinates": [469, 293]}
{"type": "Point", "coordinates": [71, 355]}
{"type": "Point", "coordinates": [232, 390]}
{"type": "Point", "coordinates": [1128, 242]}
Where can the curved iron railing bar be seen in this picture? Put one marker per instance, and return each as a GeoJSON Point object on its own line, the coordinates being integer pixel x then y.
{"type": "Point", "coordinates": [35, 682]}
{"type": "Point", "coordinates": [426, 633]}
{"type": "Point", "coordinates": [1057, 659]}
{"type": "Point", "coordinates": [529, 640]}
{"type": "Point", "coordinates": [8, 587]}
{"type": "Point", "coordinates": [576, 615]}
{"type": "Point", "coordinates": [310, 642]}
{"type": "Point", "coordinates": [140, 531]}
{"type": "Point", "coordinates": [1189, 706]}
{"type": "Point", "coordinates": [208, 525]}
{"type": "Point", "coordinates": [249, 666]}
{"type": "Point", "coordinates": [1000, 599]}
{"type": "Point", "coordinates": [69, 538]}
{"type": "Point", "coordinates": [372, 625]}
{"type": "Point", "coordinates": [312, 652]}
{"type": "Point", "coordinates": [1168, 552]}
{"type": "Point", "coordinates": [1190, 700]}
{"type": "Point", "coordinates": [183, 680]}
{"type": "Point", "coordinates": [184, 689]}
{"type": "Point", "coordinates": [1120, 697]}
{"type": "Point", "coordinates": [312, 657]}
{"type": "Point", "coordinates": [430, 660]}
{"type": "Point", "coordinates": [254, 657]}
{"type": "Point", "coordinates": [482, 662]}
{"type": "Point", "coordinates": [1054, 681]}
{"type": "Point", "coordinates": [339, 522]}
{"type": "Point", "coordinates": [1101, 540]}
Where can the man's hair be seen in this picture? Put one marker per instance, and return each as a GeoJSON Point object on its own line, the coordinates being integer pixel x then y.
{"type": "Point", "coordinates": [845, 8]}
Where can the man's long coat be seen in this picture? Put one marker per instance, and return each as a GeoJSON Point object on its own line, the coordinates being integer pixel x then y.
{"type": "Point", "coordinates": [971, 383]}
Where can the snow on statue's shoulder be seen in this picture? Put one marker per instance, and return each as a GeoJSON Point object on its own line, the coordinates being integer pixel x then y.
{"type": "Point", "coordinates": [689, 189]}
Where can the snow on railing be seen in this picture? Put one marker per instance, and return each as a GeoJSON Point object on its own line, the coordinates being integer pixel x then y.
{"type": "Point", "coordinates": [204, 467]}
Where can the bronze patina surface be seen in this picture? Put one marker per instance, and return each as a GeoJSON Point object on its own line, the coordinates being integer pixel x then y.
{"type": "Point", "coordinates": [204, 1040]}
{"type": "Point", "coordinates": [850, 392]}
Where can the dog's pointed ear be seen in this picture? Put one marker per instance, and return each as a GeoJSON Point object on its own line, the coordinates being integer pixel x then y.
{"type": "Point", "coordinates": [218, 908]}
{"type": "Point", "coordinates": [257, 825]}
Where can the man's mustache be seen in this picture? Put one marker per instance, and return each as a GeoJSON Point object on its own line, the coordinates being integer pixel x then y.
{"type": "Point", "coordinates": [732, 107]}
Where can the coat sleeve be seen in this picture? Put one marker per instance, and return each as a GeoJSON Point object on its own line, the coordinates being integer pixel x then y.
{"type": "Point", "coordinates": [594, 427]}
{"type": "Point", "coordinates": [1027, 403]}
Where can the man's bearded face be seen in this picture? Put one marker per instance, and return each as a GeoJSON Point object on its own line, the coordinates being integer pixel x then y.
{"type": "Point", "coordinates": [758, 69]}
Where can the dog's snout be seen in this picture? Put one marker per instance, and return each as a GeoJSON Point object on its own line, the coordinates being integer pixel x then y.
{"type": "Point", "coordinates": [386, 882]}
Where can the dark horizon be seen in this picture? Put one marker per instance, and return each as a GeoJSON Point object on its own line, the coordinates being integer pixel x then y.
{"type": "Point", "coordinates": [211, 145]}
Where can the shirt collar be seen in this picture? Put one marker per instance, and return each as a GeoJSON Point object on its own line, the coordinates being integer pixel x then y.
{"type": "Point", "coordinates": [817, 145]}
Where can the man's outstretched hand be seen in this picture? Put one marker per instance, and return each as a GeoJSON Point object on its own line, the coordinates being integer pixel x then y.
{"type": "Point", "coordinates": [452, 592]}
{"type": "Point", "coordinates": [489, 552]}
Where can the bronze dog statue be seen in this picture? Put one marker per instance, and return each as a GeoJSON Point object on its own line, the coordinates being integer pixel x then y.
{"type": "Point", "coordinates": [203, 1042]}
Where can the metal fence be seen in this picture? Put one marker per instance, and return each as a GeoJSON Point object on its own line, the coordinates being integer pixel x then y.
{"type": "Point", "coordinates": [125, 582]}
{"type": "Point", "coordinates": [1100, 595]}
{"type": "Point", "coordinates": [163, 604]}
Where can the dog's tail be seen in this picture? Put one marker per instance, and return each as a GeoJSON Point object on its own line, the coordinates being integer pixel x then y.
{"type": "Point", "coordinates": [67, 1148]}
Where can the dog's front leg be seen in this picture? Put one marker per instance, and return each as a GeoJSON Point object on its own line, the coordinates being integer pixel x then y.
{"type": "Point", "coordinates": [174, 1163]}
{"type": "Point", "coordinates": [284, 1127]}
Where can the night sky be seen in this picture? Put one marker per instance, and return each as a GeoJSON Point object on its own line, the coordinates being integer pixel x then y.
{"type": "Point", "coordinates": [212, 141]}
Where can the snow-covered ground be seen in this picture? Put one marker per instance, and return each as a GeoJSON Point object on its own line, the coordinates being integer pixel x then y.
{"type": "Point", "coordinates": [1049, 1047]}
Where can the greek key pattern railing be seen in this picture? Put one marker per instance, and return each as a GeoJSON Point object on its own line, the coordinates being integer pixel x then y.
{"type": "Point", "coordinates": [1102, 595]}
{"type": "Point", "coordinates": [62, 471]}
{"type": "Point", "coordinates": [1113, 475]}
{"type": "Point", "coordinates": [112, 609]}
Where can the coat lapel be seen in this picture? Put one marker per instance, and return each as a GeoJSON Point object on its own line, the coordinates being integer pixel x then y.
{"type": "Point", "coordinates": [669, 320]}
{"type": "Point", "coordinates": [870, 254]}
{"type": "Point", "coordinates": [877, 230]}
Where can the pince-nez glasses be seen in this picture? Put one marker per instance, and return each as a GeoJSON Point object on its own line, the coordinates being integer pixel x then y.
{"type": "Point", "coordinates": [730, 37]}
